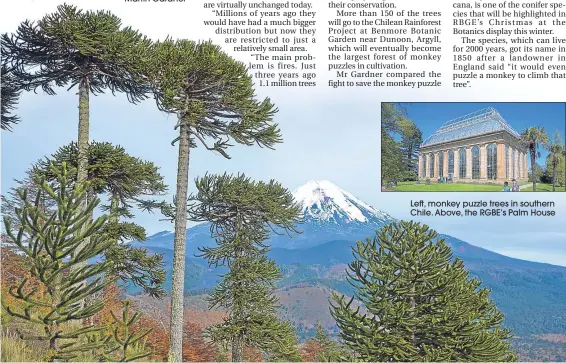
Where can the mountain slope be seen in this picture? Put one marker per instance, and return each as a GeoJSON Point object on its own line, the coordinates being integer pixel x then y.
{"type": "Point", "coordinates": [531, 295]}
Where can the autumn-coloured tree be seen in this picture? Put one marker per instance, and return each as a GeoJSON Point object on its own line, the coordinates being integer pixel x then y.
{"type": "Point", "coordinates": [310, 351]}
{"type": "Point", "coordinates": [195, 348]}
{"type": "Point", "coordinates": [112, 303]}
{"type": "Point", "coordinates": [321, 348]}
{"type": "Point", "coordinates": [158, 339]}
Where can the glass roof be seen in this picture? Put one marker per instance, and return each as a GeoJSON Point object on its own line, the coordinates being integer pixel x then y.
{"type": "Point", "coordinates": [476, 123]}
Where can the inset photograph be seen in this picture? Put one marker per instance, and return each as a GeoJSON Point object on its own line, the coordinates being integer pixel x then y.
{"type": "Point", "coordinates": [473, 147]}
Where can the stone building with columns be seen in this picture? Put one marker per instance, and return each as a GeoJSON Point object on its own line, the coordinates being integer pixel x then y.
{"type": "Point", "coordinates": [479, 147]}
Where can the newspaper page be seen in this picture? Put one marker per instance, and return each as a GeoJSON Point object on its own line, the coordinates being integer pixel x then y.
{"type": "Point", "coordinates": [283, 180]}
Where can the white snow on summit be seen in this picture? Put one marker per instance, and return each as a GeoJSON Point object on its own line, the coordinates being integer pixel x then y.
{"type": "Point", "coordinates": [324, 200]}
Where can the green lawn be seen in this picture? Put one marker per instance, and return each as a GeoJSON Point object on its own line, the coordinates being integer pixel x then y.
{"type": "Point", "coordinates": [445, 187]}
{"type": "Point", "coordinates": [464, 187]}
{"type": "Point", "coordinates": [544, 188]}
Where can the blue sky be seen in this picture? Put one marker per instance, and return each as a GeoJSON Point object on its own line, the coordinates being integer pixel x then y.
{"type": "Point", "coordinates": [429, 117]}
{"type": "Point", "coordinates": [327, 136]}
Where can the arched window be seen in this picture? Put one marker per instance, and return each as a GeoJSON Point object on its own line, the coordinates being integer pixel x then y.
{"type": "Point", "coordinates": [476, 162]}
{"type": "Point", "coordinates": [463, 165]}
{"type": "Point", "coordinates": [506, 161]}
{"type": "Point", "coordinates": [441, 164]}
{"type": "Point", "coordinates": [451, 163]}
{"type": "Point", "coordinates": [431, 166]}
{"type": "Point", "coordinates": [492, 161]}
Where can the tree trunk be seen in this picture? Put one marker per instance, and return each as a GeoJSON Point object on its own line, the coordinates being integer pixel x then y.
{"type": "Point", "coordinates": [82, 155]}
{"type": "Point", "coordinates": [554, 165]}
{"type": "Point", "coordinates": [177, 293]}
{"type": "Point", "coordinates": [113, 222]}
{"type": "Point", "coordinates": [238, 348]}
{"type": "Point", "coordinates": [410, 157]}
{"type": "Point", "coordinates": [533, 169]}
{"type": "Point", "coordinates": [56, 299]}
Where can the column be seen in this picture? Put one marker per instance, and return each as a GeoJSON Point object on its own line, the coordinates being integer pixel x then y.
{"type": "Point", "coordinates": [456, 164]}
{"type": "Point", "coordinates": [517, 164]}
{"type": "Point", "coordinates": [520, 164]}
{"type": "Point", "coordinates": [483, 161]}
{"type": "Point", "coordinates": [468, 162]}
{"type": "Point", "coordinates": [419, 166]}
{"type": "Point", "coordinates": [445, 168]}
{"type": "Point", "coordinates": [509, 163]}
{"type": "Point", "coordinates": [501, 175]}
{"type": "Point", "coordinates": [436, 162]}
{"type": "Point", "coordinates": [512, 170]}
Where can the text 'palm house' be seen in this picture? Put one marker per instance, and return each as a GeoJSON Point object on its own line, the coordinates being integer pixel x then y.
{"type": "Point", "coordinates": [479, 147]}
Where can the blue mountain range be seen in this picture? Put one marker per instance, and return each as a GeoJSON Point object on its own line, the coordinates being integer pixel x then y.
{"type": "Point", "coordinates": [531, 295]}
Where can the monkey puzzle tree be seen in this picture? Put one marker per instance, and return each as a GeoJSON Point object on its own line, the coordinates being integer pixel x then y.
{"type": "Point", "coordinates": [213, 97]}
{"type": "Point", "coordinates": [10, 96]}
{"type": "Point", "coordinates": [126, 342]}
{"type": "Point", "coordinates": [242, 212]}
{"type": "Point", "coordinates": [124, 179]}
{"type": "Point", "coordinates": [50, 241]}
{"type": "Point", "coordinates": [90, 50]}
{"type": "Point", "coordinates": [533, 138]}
{"type": "Point", "coordinates": [420, 305]}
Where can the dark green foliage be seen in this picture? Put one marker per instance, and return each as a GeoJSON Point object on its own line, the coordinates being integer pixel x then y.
{"type": "Point", "coordinates": [241, 213]}
{"type": "Point", "coordinates": [71, 46]}
{"type": "Point", "coordinates": [212, 94]}
{"type": "Point", "coordinates": [49, 239]}
{"type": "Point", "coordinates": [411, 140]}
{"type": "Point", "coordinates": [400, 142]}
{"type": "Point", "coordinates": [213, 98]}
{"type": "Point", "coordinates": [113, 172]}
{"type": "Point", "coordinates": [392, 165]}
{"type": "Point", "coordinates": [11, 91]}
{"type": "Point", "coordinates": [124, 179]}
{"type": "Point", "coordinates": [126, 343]}
{"type": "Point", "coordinates": [555, 165]}
{"type": "Point", "coordinates": [421, 306]}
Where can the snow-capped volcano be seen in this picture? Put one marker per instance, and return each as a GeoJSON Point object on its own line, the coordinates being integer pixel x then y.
{"type": "Point", "coordinates": [329, 214]}
{"type": "Point", "coordinates": [324, 201]}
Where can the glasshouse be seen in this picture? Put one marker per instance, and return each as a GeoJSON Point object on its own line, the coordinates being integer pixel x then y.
{"type": "Point", "coordinates": [479, 147]}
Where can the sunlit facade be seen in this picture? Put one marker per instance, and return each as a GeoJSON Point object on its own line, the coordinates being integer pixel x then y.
{"type": "Point", "coordinates": [479, 147]}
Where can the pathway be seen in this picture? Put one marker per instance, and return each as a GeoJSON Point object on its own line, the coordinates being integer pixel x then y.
{"type": "Point", "coordinates": [530, 185]}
